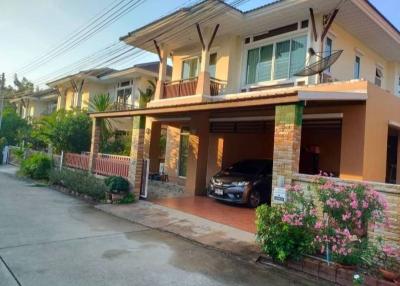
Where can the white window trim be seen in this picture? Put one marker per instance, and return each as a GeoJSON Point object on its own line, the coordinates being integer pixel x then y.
{"type": "Point", "coordinates": [379, 67]}
{"type": "Point", "coordinates": [265, 42]}
{"type": "Point", "coordinates": [133, 91]}
{"type": "Point", "coordinates": [398, 84]}
{"type": "Point", "coordinates": [213, 50]}
{"type": "Point", "coordinates": [354, 65]}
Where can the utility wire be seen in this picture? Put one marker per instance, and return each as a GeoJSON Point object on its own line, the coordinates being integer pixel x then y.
{"type": "Point", "coordinates": [196, 17]}
{"type": "Point", "coordinates": [88, 33]}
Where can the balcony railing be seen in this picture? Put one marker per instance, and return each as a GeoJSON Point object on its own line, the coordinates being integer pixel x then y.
{"type": "Point", "coordinates": [178, 88]}
{"type": "Point", "coordinates": [217, 86]}
{"type": "Point", "coordinates": [121, 106]}
{"type": "Point", "coordinates": [187, 87]}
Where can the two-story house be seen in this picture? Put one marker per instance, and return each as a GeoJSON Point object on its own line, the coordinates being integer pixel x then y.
{"type": "Point", "coordinates": [36, 104]}
{"type": "Point", "coordinates": [123, 86]}
{"type": "Point", "coordinates": [264, 84]}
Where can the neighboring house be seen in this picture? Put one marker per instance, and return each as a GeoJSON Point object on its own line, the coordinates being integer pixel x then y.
{"type": "Point", "coordinates": [36, 104]}
{"type": "Point", "coordinates": [234, 93]}
{"type": "Point", "coordinates": [76, 91]}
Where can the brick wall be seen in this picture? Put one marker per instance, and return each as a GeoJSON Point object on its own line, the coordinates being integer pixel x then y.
{"type": "Point", "coordinates": [390, 232]}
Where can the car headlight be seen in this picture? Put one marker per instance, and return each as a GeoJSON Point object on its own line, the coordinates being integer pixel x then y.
{"type": "Point", "coordinates": [240, 184]}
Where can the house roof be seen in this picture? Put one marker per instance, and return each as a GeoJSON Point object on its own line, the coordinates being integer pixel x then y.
{"type": "Point", "coordinates": [39, 95]}
{"type": "Point", "coordinates": [82, 74]}
{"type": "Point", "coordinates": [150, 68]}
{"type": "Point", "coordinates": [358, 17]}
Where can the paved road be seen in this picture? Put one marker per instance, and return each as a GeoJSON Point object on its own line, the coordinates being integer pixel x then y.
{"type": "Point", "coordinates": [48, 238]}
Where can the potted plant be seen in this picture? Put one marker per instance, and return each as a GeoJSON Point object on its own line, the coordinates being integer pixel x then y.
{"type": "Point", "coordinates": [387, 258]}
{"type": "Point", "coordinates": [118, 187]}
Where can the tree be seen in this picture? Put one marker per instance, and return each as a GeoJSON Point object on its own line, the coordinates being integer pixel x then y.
{"type": "Point", "coordinates": [23, 85]}
{"type": "Point", "coordinates": [100, 103]}
{"type": "Point", "coordinates": [68, 131]}
{"type": "Point", "coordinates": [147, 95]}
{"type": "Point", "coordinates": [14, 129]}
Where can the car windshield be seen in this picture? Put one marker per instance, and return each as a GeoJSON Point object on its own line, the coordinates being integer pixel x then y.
{"type": "Point", "coordinates": [250, 167]}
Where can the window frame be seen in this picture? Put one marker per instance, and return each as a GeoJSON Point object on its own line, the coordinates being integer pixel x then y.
{"type": "Point", "coordinates": [265, 42]}
{"type": "Point", "coordinates": [185, 131]}
{"type": "Point", "coordinates": [357, 64]}
{"type": "Point", "coordinates": [189, 59]}
{"type": "Point", "coordinates": [328, 39]}
{"type": "Point", "coordinates": [381, 77]}
{"type": "Point", "coordinates": [398, 84]}
{"type": "Point", "coordinates": [122, 86]}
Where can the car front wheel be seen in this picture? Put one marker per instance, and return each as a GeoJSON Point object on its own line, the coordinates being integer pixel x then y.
{"type": "Point", "coordinates": [254, 199]}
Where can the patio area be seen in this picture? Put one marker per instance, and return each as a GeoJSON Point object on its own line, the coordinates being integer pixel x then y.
{"type": "Point", "coordinates": [235, 216]}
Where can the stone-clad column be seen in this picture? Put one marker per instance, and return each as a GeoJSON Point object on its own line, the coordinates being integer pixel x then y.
{"type": "Point", "coordinates": [137, 154]}
{"type": "Point", "coordinates": [287, 142]}
{"type": "Point", "coordinates": [95, 142]}
{"type": "Point", "coordinates": [398, 159]}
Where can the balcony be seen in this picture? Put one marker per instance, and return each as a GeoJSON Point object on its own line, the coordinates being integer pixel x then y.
{"type": "Point", "coordinates": [121, 106]}
{"type": "Point", "coordinates": [187, 87]}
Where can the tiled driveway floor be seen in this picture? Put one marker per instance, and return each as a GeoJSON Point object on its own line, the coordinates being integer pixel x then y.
{"type": "Point", "coordinates": [236, 216]}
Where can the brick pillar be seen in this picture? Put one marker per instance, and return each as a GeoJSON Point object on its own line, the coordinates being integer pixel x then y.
{"type": "Point", "coordinates": [137, 154]}
{"type": "Point", "coordinates": [95, 142]}
{"type": "Point", "coordinates": [198, 154]}
{"type": "Point", "coordinates": [287, 142]}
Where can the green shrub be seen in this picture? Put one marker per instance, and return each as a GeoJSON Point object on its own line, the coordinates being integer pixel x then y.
{"type": "Point", "coordinates": [128, 199]}
{"type": "Point", "coordinates": [117, 184]}
{"type": "Point", "coordinates": [36, 166]}
{"type": "Point", "coordinates": [2, 145]}
{"type": "Point", "coordinates": [279, 239]}
{"type": "Point", "coordinates": [80, 182]}
{"type": "Point", "coordinates": [287, 231]}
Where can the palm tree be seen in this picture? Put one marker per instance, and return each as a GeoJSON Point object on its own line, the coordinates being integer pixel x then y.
{"type": "Point", "coordinates": [100, 103]}
{"type": "Point", "coordinates": [147, 95]}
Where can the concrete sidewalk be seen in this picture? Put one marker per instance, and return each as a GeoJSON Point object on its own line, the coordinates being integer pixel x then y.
{"type": "Point", "coordinates": [203, 231]}
{"type": "Point", "coordinates": [212, 234]}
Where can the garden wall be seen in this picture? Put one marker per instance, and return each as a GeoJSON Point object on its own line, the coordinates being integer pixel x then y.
{"type": "Point", "coordinates": [390, 231]}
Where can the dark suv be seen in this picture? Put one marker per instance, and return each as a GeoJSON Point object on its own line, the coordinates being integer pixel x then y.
{"type": "Point", "coordinates": [245, 182]}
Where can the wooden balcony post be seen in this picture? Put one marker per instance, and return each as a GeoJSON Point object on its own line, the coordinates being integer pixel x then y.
{"type": "Point", "coordinates": [207, 37]}
{"type": "Point", "coordinates": [163, 52]}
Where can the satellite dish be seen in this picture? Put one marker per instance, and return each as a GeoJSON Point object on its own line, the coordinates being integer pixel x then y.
{"type": "Point", "coordinates": [321, 64]}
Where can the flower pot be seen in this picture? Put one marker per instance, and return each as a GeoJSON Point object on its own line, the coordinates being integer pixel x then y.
{"type": "Point", "coordinates": [389, 275]}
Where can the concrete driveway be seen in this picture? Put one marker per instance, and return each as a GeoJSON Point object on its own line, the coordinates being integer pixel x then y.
{"type": "Point", "coordinates": [48, 238]}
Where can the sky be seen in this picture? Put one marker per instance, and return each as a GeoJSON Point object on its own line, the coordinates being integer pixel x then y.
{"type": "Point", "coordinates": [30, 28]}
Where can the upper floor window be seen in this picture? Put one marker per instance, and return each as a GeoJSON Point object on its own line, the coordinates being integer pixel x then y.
{"type": "Point", "coordinates": [398, 85]}
{"type": "Point", "coordinates": [212, 68]}
{"type": "Point", "coordinates": [124, 91]}
{"type": "Point", "coordinates": [190, 68]}
{"type": "Point", "coordinates": [378, 76]}
{"type": "Point", "coordinates": [328, 48]}
{"type": "Point", "coordinates": [357, 67]}
{"type": "Point", "coordinates": [276, 61]}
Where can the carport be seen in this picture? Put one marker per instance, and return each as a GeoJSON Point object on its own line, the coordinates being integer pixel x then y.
{"type": "Point", "coordinates": [300, 128]}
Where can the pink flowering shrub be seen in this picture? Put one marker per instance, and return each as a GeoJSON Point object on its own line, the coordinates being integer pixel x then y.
{"type": "Point", "coordinates": [294, 229]}
{"type": "Point", "coordinates": [348, 211]}
{"type": "Point", "coordinates": [351, 207]}
{"type": "Point", "coordinates": [283, 231]}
